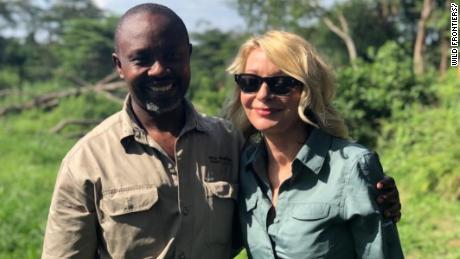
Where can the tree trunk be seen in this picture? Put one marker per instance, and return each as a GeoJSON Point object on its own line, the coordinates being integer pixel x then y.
{"type": "Point", "coordinates": [384, 9]}
{"type": "Point", "coordinates": [419, 65]}
{"type": "Point", "coordinates": [444, 59]}
{"type": "Point", "coordinates": [344, 33]}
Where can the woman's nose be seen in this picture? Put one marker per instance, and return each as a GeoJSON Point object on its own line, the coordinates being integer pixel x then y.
{"type": "Point", "coordinates": [263, 92]}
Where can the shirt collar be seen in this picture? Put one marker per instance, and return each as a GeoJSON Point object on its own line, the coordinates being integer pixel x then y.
{"type": "Point", "coordinates": [255, 161]}
{"type": "Point", "coordinates": [253, 153]}
{"type": "Point", "coordinates": [311, 155]}
{"type": "Point", "coordinates": [131, 127]}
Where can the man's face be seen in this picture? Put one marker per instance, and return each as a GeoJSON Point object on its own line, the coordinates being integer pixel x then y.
{"type": "Point", "coordinates": [153, 57]}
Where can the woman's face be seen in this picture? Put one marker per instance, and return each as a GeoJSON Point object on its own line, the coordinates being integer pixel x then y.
{"type": "Point", "coordinates": [267, 112]}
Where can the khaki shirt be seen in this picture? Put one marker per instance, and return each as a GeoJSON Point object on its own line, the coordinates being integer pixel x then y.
{"type": "Point", "coordinates": [118, 195]}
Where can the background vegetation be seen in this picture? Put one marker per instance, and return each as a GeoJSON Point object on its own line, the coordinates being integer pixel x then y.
{"type": "Point", "coordinates": [395, 89]}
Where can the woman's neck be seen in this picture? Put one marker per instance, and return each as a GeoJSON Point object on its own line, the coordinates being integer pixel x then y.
{"type": "Point", "coordinates": [283, 148]}
{"type": "Point", "coordinates": [281, 151]}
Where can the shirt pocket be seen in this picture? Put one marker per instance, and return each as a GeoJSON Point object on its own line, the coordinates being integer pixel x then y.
{"type": "Point", "coordinates": [221, 196]}
{"type": "Point", "coordinates": [310, 211]}
{"type": "Point", "coordinates": [131, 202]}
{"type": "Point", "coordinates": [306, 230]}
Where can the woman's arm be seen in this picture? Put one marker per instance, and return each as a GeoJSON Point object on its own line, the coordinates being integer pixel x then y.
{"type": "Point", "coordinates": [374, 235]}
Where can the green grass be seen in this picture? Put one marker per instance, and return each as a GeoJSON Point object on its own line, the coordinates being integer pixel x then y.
{"type": "Point", "coordinates": [30, 157]}
{"type": "Point", "coordinates": [29, 163]}
{"type": "Point", "coordinates": [430, 227]}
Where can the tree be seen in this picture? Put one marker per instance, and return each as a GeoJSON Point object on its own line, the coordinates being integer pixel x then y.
{"type": "Point", "coordinates": [212, 53]}
{"type": "Point", "coordinates": [374, 91]}
{"type": "Point", "coordinates": [16, 13]}
{"type": "Point", "coordinates": [85, 49]}
{"type": "Point", "coordinates": [60, 11]}
{"type": "Point", "coordinates": [419, 46]}
{"type": "Point", "coordinates": [306, 17]}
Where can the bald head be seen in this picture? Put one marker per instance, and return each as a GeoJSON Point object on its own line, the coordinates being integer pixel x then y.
{"type": "Point", "coordinates": [175, 22]}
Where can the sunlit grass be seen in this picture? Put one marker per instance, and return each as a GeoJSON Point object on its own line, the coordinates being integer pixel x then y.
{"type": "Point", "coordinates": [30, 156]}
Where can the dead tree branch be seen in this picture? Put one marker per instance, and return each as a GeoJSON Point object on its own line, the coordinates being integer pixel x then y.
{"type": "Point", "coordinates": [343, 32]}
{"type": "Point", "coordinates": [52, 99]}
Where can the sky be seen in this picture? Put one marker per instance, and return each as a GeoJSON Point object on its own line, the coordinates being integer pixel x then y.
{"type": "Point", "coordinates": [198, 15]}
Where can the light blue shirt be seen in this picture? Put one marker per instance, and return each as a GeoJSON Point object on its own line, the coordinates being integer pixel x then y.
{"type": "Point", "coordinates": [327, 209]}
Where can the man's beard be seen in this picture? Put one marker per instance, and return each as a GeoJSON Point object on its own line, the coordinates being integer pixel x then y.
{"type": "Point", "coordinates": [154, 108]}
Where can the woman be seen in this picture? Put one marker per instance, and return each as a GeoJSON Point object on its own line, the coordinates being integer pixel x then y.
{"type": "Point", "coordinates": [306, 191]}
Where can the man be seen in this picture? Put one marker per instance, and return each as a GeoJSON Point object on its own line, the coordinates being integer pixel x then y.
{"type": "Point", "coordinates": [157, 179]}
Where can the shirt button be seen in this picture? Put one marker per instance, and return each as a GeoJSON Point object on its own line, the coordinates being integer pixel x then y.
{"type": "Point", "coordinates": [181, 256]}
{"type": "Point", "coordinates": [185, 211]}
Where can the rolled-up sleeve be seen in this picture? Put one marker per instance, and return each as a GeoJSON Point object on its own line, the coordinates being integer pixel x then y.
{"type": "Point", "coordinates": [374, 236]}
{"type": "Point", "coordinates": [72, 222]}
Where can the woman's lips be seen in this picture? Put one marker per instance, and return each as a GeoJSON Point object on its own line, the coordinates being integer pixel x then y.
{"type": "Point", "coordinates": [265, 111]}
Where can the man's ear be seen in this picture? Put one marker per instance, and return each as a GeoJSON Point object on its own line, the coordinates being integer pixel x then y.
{"type": "Point", "coordinates": [190, 49]}
{"type": "Point", "coordinates": [117, 63]}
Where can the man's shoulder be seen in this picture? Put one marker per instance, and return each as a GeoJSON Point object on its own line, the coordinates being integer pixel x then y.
{"type": "Point", "coordinates": [217, 124]}
{"type": "Point", "coordinates": [105, 132]}
{"type": "Point", "coordinates": [221, 130]}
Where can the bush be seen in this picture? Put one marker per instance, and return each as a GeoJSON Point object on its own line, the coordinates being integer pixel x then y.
{"type": "Point", "coordinates": [372, 91]}
{"type": "Point", "coordinates": [9, 78]}
{"type": "Point", "coordinates": [418, 143]}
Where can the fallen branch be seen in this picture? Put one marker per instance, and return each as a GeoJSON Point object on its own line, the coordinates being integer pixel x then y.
{"type": "Point", "coordinates": [64, 123]}
{"type": "Point", "coordinates": [8, 92]}
{"type": "Point", "coordinates": [51, 99]}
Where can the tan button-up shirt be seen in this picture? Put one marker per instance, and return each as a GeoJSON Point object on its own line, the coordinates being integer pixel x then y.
{"type": "Point", "coordinates": [118, 195]}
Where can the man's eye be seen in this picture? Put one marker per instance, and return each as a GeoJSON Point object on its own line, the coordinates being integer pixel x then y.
{"type": "Point", "coordinates": [174, 56]}
{"type": "Point", "coordinates": [139, 61]}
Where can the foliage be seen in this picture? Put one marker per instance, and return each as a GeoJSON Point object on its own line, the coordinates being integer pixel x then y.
{"type": "Point", "coordinates": [372, 91]}
{"type": "Point", "coordinates": [366, 25]}
{"type": "Point", "coordinates": [429, 225]}
{"type": "Point", "coordinates": [67, 36]}
{"type": "Point", "coordinates": [419, 143]}
{"type": "Point", "coordinates": [86, 47]}
{"type": "Point", "coordinates": [30, 159]}
{"type": "Point", "coordinates": [8, 78]}
{"type": "Point", "coordinates": [418, 148]}
{"type": "Point", "coordinates": [412, 121]}
{"type": "Point", "coordinates": [210, 85]}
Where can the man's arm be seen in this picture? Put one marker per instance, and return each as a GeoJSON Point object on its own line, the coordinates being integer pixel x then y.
{"type": "Point", "coordinates": [72, 221]}
{"type": "Point", "coordinates": [388, 199]}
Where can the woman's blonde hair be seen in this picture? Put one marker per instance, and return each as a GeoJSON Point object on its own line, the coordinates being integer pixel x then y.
{"type": "Point", "coordinates": [296, 58]}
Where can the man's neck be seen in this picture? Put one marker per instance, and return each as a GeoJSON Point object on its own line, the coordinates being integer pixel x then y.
{"type": "Point", "coordinates": [170, 122]}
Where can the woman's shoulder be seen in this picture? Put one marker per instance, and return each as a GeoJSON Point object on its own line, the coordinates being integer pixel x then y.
{"type": "Point", "coordinates": [348, 149]}
{"type": "Point", "coordinates": [358, 160]}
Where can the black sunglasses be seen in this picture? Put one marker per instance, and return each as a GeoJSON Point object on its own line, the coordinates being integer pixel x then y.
{"type": "Point", "coordinates": [278, 85]}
